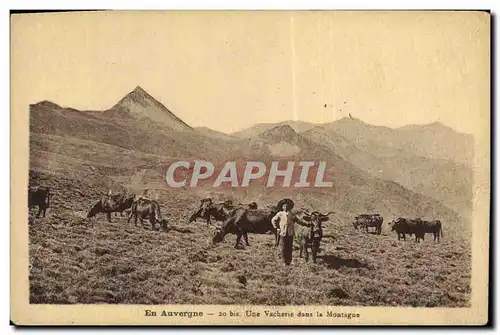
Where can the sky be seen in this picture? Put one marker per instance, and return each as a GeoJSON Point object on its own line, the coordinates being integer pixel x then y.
{"type": "Point", "coordinates": [230, 70]}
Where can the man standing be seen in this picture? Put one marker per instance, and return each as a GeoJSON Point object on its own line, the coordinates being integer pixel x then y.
{"type": "Point", "coordinates": [285, 229]}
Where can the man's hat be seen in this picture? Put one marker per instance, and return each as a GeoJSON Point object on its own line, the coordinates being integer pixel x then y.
{"type": "Point", "coordinates": [287, 201]}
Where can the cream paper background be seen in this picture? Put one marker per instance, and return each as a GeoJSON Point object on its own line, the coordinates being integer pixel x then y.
{"type": "Point", "coordinates": [46, 47]}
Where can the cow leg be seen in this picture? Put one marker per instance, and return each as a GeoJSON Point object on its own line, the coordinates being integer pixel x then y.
{"type": "Point", "coordinates": [43, 211]}
{"type": "Point", "coordinates": [39, 211]}
{"type": "Point", "coordinates": [152, 220]}
{"type": "Point", "coordinates": [109, 217]}
{"type": "Point", "coordinates": [314, 250]}
{"type": "Point", "coordinates": [306, 252]}
{"type": "Point", "coordinates": [238, 239]}
{"type": "Point", "coordinates": [246, 239]}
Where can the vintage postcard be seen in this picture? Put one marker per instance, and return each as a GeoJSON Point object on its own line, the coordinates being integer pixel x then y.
{"type": "Point", "coordinates": [250, 167]}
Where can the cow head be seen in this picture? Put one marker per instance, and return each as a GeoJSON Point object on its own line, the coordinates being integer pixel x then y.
{"type": "Point", "coordinates": [395, 223]}
{"type": "Point", "coordinates": [96, 209]}
{"type": "Point", "coordinates": [203, 210]}
{"type": "Point", "coordinates": [252, 206]}
{"type": "Point", "coordinates": [164, 224]}
{"type": "Point", "coordinates": [316, 219]}
{"type": "Point", "coordinates": [218, 236]}
{"type": "Point", "coordinates": [205, 206]}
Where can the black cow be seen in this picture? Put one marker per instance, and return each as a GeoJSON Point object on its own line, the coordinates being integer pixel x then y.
{"type": "Point", "coordinates": [209, 210]}
{"type": "Point", "coordinates": [308, 234]}
{"type": "Point", "coordinates": [403, 226]}
{"type": "Point", "coordinates": [369, 220]}
{"type": "Point", "coordinates": [243, 221]}
{"type": "Point", "coordinates": [112, 203]}
{"type": "Point", "coordinates": [432, 227]}
{"type": "Point", "coordinates": [39, 196]}
{"type": "Point", "coordinates": [145, 208]}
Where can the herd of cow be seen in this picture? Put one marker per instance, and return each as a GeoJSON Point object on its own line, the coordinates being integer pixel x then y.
{"type": "Point", "coordinates": [241, 219]}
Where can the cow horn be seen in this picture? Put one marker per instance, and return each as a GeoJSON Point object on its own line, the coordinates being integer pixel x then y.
{"type": "Point", "coordinates": [109, 192]}
{"type": "Point", "coordinates": [305, 211]}
{"type": "Point", "coordinates": [328, 213]}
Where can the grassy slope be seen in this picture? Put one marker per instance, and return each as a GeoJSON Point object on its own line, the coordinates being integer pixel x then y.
{"type": "Point", "coordinates": [72, 262]}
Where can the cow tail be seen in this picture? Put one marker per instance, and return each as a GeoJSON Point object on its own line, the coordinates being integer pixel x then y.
{"type": "Point", "coordinates": [441, 229]}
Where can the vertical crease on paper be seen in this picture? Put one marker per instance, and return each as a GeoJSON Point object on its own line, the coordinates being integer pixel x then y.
{"type": "Point", "coordinates": [292, 46]}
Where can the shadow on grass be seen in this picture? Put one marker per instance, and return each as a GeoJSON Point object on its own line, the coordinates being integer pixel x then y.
{"type": "Point", "coordinates": [334, 262]}
{"type": "Point", "coordinates": [180, 230]}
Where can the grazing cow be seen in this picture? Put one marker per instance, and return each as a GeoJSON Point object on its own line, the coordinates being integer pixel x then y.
{"type": "Point", "coordinates": [240, 221]}
{"type": "Point", "coordinates": [369, 220]}
{"type": "Point", "coordinates": [112, 203]}
{"type": "Point", "coordinates": [207, 210]}
{"type": "Point", "coordinates": [144, 208]}
{"type": "Point", "coordinates": [39, 196]}
{"type": "Point", "coordinates": [308, 232]}
{"type": "Point", "coordinates": [432, 227]}
{"type": "Point", "coordinates": [243, 221]}
{"type": "Point", "coordinates": [404, 226]}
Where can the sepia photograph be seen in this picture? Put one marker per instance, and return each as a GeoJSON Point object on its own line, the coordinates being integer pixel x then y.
{"type": "Point", "coordinates": [250, 167]}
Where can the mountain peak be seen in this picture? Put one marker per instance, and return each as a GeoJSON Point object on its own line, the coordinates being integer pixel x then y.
{"type": "Point", "coordinates": [283, 130]}
{"type": "Point", "coordinates": [279, 133]}
{"type": "Point", "coordinates": [139, 89]}
{"type": "Point", "coordinates": [140, 103]}
{"type": "Point", "coordinates": [47, 104]}
{"type": "Point", "coordinates": [351, 120]}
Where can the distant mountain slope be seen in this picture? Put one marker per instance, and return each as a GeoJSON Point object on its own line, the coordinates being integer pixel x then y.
{"type": "Point", "coordinates": [443, 180]}
{"type": "Point", "coordinates": [139, 103]}
{"type": "Point", "coordinates": [214, 133]}
{"type": "Point", "coordinates": [433, 141]}
{"type": "Point", "coordinates": [353, 191]}
{"type": "Point", "coordinates": [437, 140]}
{"type": "Point", "coordinates": [298, 126]}
{"type": "Point", "coordinates": [141, 134]}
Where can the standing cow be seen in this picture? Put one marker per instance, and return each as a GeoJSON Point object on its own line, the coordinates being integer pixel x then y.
{"type": "Point", "coordinates": [432, 227]}
{"type": "Point", "coordinates": [308, 232]}
{"type": "Point", "coordinates": [403, 226]}
{"type": "Point", "coordinates": [369, 220]}
{"type": "Point", "coordinates": [39, 196]}
{"type": "Point", "coordinates": [243, 221]}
